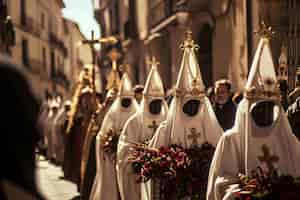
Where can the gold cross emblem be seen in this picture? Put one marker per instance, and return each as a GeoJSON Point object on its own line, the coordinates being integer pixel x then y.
{"type": "Point", "coordinates": [268, 158]}
{"type": "Point", "coordinates": [265, 31]}
{"type": "Point", "coordinates": [153, 61]}
{"type": "Point", "coordinates": [194, 136]}
{"type": "Point", "coordinates": [153, 126]}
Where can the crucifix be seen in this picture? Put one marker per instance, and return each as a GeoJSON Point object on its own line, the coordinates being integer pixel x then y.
{"type": "Point", "coordinates": [92, 42]}
{"type": "Point", "coordinates": [153, 62]}
{"type": "Point", "coordinates": [265, 31]}
{"type": "Point", "coordinates": [194, 136]}
{"type": "Point", "coordinates": [153, 126]}
{"type": "Point", "coordinates": [268, 158]}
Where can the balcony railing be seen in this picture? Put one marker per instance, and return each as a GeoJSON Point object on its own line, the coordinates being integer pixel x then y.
{"type": "Point", "coordinates": [54, 40]}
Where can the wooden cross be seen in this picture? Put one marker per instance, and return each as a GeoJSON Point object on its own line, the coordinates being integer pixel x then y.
{"type": "Point", "coordinates": [92, 42]}
{"type": "Point", "coordinates": [153, 126]}
{"type": "Point", "coordinates": [268, 158]}
{"type": "Point", "coordinates": [194, 136]}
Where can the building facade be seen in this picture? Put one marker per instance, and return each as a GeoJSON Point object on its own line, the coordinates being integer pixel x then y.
{"type": "Point", "coordinates": [223, 29]}
{"type": "Point", "coordinates": [46, 45]}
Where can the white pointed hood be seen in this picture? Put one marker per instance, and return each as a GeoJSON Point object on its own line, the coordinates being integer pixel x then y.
{"type": "Point", "coordinates": [153, 90]}
{"type": "Point", "coordinates": [125, 88]}
{"type": "Point", "coordinates": [278, 137]}
{"type": "Point", "coordinates": [154, 86]}
{"type": "Point", "coordinates": [189, 86]}
{"type": "Point", "coordinates": [262, 81]}
{"type": "Point", "coordinates": [189, 82]}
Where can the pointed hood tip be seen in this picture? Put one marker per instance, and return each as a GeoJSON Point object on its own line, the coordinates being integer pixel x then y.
{"type": "Point", "coordinates": [125, 88]}
{"type": "Point", "coordinates": [262, 79]}
{"type": "Point", "coordinates": [189, 79]}
{"type": "Point", "coordinates": [154, 85]}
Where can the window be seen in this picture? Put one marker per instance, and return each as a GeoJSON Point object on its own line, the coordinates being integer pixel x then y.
{"type": "Point", "coordinates": [3, 9]}
{"type": "Point", "coordinates": [25, 48]}
{"type": "Point", "coordinates": [52, 64]}
{"type": "Point", "coordinates": [43, 20]}
{"type": "Point", "coordinates": [23, 12]}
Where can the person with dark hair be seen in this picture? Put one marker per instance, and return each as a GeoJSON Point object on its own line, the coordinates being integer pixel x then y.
{"type": "Point", "coordinates": [293, 114]}
{"type": "Point", "coordinates": [224, 107]}
{"type": "Point", "coordinates": [138, 92]}
{"type": "Point", "coordinates": [19, 117]}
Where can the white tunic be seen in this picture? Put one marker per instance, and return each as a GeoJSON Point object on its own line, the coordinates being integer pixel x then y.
{"type": "Point", "coordinates": [239, 149]}
{"type": "Point", "coordinates": [105, 183]}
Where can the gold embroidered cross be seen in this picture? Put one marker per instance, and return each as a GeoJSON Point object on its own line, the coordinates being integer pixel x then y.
{"type": "Point", "coordinates": [194, 136]}
{"type": "Point", "coordinates": [268, 158]}
{"type": "Point", "coordinates": [265, 31]}
{"type": "Point", "coordinates": [153, 126]}
{"type": "Point", "coordinates": [153, 61]}
{"type": "Point", "coordinates": [189, 42]}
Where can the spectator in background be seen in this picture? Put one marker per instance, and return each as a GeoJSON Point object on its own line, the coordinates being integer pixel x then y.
{"type": "Point", "coordinates": [224, 106]}
{"type": "Point", "coordinates": [19, 135]}
{"type": "Point", "coordinates": [138, 92]}
{"type": "Point", "coordinates": [293, 113]}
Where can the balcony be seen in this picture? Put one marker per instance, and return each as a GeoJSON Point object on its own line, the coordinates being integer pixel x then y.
{"type": "Point", "coordinates": [55, 41]}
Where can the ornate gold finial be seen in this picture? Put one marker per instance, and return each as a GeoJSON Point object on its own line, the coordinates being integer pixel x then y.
{"type": "Point", "coordinates": [265, 31]}
{"type": "Point", "coordinates": [188, 41]}
{"type": "Point", "coordinates": [153, 61]}
{"type": "Point", "coordinates": [124, 67]}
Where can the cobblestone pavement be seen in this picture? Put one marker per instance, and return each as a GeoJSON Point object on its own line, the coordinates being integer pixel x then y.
{"type": "Point", "coordinates": [51, 183]}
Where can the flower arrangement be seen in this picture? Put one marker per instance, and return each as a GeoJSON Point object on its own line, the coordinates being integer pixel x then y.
{"type": "Point", "coordinates": [268, 186]}
{"type": "Point", "coordinates": [174, 167]}
{"type": "Point", "coordinates": [109, 141]}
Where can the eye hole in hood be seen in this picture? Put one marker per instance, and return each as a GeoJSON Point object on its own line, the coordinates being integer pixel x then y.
{"type": "Point", "coordinates": [191, 107]}
{"type": "Point", "coordinates": [155, 106]}
{"type": "Point", "coordinates": [264, 113]}
{"type": "Point", "coordinates": [126, 102]}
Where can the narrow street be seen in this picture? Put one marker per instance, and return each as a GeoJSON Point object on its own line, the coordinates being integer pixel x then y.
{"type": "Point", "coordinates": [51, 183]}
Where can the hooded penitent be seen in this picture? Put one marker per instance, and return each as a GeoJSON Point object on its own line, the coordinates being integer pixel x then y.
{"type": "Point", "coordinates": [139, 129]}
{"type": "Point", "coordinates": [191, 120]}
{"type": "Point", "coordinates": [261, 129]}
{"type": "Point", "coordinates": [105, 183]}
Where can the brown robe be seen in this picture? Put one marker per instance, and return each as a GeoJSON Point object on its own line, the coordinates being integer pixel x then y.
{"type": "Point", "coordinates": [75, 140]}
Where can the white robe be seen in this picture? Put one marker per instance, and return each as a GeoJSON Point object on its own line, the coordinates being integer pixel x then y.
{"type": "Point", "coordinates": [105, 183]}
{"type": "Point", "coordinates": [176, 130]}
{"type": "Point", "coordinates": [230, 157]}
{"type": "Point", "coordinates": [137, 130]}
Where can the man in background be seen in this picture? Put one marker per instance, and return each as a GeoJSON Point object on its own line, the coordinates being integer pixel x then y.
{"type": "Point", "coordinates": [224, 107]}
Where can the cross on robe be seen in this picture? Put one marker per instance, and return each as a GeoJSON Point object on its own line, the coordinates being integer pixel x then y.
{"type": "Point", "coordinates": [194, 136]}
{"type": "Point", "coordinates": [268, 158]}
{"type": "Point", "coordinates": [153, 126]}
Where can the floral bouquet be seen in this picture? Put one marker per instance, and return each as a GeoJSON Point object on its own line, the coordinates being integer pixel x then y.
{"type": "Point", "coordinates": [268, 186]}
{"type": "Point", "coordinates": [174, 167]}
{"type": "Point", "coordinates": [109, 141]}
